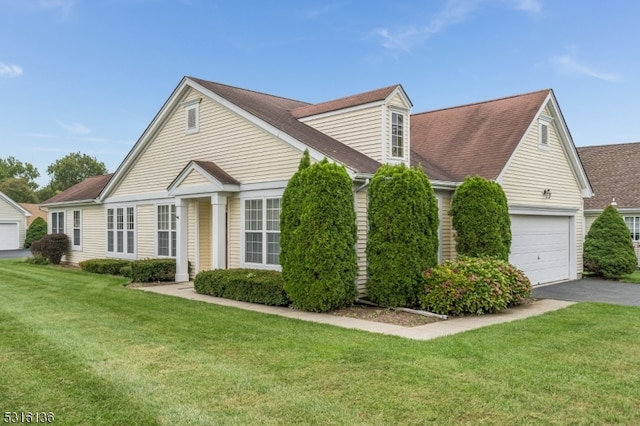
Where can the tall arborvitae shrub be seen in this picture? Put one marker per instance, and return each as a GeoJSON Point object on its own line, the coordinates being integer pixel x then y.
{"type": "Point", "coordinates": [36, 230]}
{"type": "Point", "coordinates": [320, 265]}
{"type": "Point", "coordinates": [608, 250]}
{"type": "Point", "coordinates": [402, 241]}
{"type": "Point", "coordinates": [480, 217]}
{"type": "Point", "coordinates": [290, 211]}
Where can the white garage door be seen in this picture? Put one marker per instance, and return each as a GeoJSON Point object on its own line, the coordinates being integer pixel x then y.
{"type": "Point", "coordinates": [540, 247]}
{"type": "Point", "coordinates": [9, 236]}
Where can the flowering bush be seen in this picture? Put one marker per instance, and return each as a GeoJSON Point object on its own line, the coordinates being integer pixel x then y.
{"type": "Point", "coordinates": [473, 285]}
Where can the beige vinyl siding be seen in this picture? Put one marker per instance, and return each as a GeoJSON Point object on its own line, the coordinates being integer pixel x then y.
{"type": "Point", "coordinates": [447, 242]}
{"type": "Point", "coordinates": [9, 214]}
{"type": "Point", "coordinates": [361, 129]}
{"type": "Point", "coordinates": [233, 232]}
{"type": "Point", "coordinates": [243, 150]}
{"type": "Point", "coordinates": [92, 234]}
{"type": "Point", "coordinates": [204, 236]}
{"type": "Point", "coordinates": [361, 247]}
{"type": "Point", "coordinates": [193, 179]}
{"type": "Point", "coordinates": [532, 170]}
{"type": "Point", "coordinates": [146, 231]}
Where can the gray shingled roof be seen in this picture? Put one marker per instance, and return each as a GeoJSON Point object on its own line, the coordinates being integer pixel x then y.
{"type": "Point", "coordinates": [87, 190]}
{"type": "Point", "coordinates": [614, 173]}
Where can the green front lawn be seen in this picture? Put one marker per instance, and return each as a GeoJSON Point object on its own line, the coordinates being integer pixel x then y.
{"type": "Point", "coordinates": [633, 278]}
{"type": "Point", "coordinates": [93, 352]}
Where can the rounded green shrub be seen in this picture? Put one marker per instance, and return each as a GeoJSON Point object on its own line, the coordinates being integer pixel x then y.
{"type": "Point", "coordinates": [320, 265]}
{"type": "Point", "coordinates": [480, 217]}
{"type": "Point", "coordinates": [36, 230]}
{"type": "Point", "coordinates": [608, 249]}
{"type": "Point", "coordinates": [104, 266]}
{"type": "Point", "coordinates": [471, 285]}
{"type": "Point", "coordinates": [402, 240]}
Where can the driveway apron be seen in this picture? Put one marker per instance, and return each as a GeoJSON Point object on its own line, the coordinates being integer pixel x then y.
{"type": "Point", "coordinates": [591, 290]}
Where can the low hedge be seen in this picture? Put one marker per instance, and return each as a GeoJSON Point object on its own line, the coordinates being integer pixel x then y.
{"type": "Point", "coordinates": [151, 270]}
{"type": "Point", "coordinates": [104, 266]}
{"type": "Point", "coordinates": [471, 285]}
{"type": "Point", "coordinates": [247, 285]}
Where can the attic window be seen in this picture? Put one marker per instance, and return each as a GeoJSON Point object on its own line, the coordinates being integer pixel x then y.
{"type": "Point", "coordinates": [397, 135]}
{"type": "Point", "coordinates": [192, 116]}
{"type": "Point", "coordinates": [543, 132]}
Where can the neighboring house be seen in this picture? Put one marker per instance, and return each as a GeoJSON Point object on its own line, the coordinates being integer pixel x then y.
{"type": "Point", "coordinates": [204, 182]}
{"type": "Point", "coordinates": [35, 211]}
{"type": "Point", "coordinates": [615, 177]}
{"type": "Point", "coordinates": [13, 224]}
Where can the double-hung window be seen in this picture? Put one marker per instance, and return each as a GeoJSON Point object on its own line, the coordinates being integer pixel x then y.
{"type": "Point", "coordinates": [262, 231]}
{"type": "Point", "coordinates": [57, 223]}
{"type": "Point", "coordinates": [166, 230]}
{"type": "Point", "coordinates": [397, 135]}
{"type": "Point", "coordinates": [121, 231]}
{"type": "Point", "coordinates": [77, 236]}
{"type": "Point", "coordinates": [633, 222]}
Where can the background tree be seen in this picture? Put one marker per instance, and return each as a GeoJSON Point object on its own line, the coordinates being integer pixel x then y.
{"type": "Point", "coordinates": [321, 265]}
{"type": "Point", "coordinates": [12, 168]}
{"type": "Point", "coordinates": [73, 169]}
{"type": "Point", "coordinates": [18, 190]}
{"type": "Point", "coordinates": [608, 249]}
{"type": "Point", "coordinates": [402, 240]}
{"type": "Point", "coordinates": [480, 217]}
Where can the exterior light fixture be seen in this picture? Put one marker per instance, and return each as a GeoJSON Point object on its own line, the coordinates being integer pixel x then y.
{"type": "Point", "coordinates": [613, 202]}
{"type": "Point", "coordinates": [546, 193]}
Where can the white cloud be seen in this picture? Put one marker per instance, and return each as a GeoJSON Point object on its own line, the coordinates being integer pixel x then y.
{"type": "Point", "coordinates": [75, 128]}
{"type": "Point", "coordinates": [568, 65]}
{"type": "Point", "coordinates": [533, 7]}
{"type": "Point", "coordinates": [454, 11]}
{"type": "Point", "coordinates": [10, 70]}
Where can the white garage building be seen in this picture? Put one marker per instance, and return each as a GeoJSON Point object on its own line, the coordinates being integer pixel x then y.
{"type": "Point", "coordinates": [13, 224]}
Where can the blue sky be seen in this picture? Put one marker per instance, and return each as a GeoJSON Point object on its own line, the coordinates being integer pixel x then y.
{"type": "Point", "coordinates": [90, 75]}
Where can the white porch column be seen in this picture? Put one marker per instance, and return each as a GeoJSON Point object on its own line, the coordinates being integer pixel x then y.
{"type": "Point", "coordinates": [219, 231]}
{"type": "Point", "coordinates": [182, 234]}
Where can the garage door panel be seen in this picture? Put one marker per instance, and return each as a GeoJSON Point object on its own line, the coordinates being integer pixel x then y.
{"type": "Point", "coordinates": [541, 247]}
{"type": "Point", "coordinates": [9, 236]}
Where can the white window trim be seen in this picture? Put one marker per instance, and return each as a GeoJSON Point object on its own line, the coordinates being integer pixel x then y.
{"type": "Point", "coordinates": [633, 232]}
{"type": "Point", "coordinates": [115, 253]}
{"type": "Point", "coordinates": [544, 121]}
{"type": "Point", "coordinates": [195, 107]}
{"type": "Point", "coordinates": [74, 246]}
{"type": "Point", "coordinates": [257, 195]}
{"type": "Point", "coordinates": [405, 145]}
{"type": "Point", "coordinates": [54, 222]}
{"type": "Point", "coordinates": [173, 232]}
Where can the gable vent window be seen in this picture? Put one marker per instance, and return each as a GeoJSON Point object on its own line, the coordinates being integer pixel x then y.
{"type": "Point", "coordinates": [543, 132]}
{"type": "Point", "coordinates": [192, 117]}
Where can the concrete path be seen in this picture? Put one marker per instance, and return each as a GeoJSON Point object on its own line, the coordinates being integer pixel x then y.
{"type": "Point", "coordinates": [423, 332]}
{"type": "Point", "coordinates": [591, 290]}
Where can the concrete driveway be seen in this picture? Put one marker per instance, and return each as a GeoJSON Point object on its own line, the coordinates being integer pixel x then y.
{"type": "Point", "coordinates": [14, 254]}
{"type": "Point", "coordinates": [591, 290]}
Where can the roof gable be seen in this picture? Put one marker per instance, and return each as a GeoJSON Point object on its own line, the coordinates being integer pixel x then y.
{"type": "Point", "coordinates": [10, 202]}
{"type": "Point", "coordinates": [211, 179]}
{"type": "Point", "coordinates": [474, 139]}
{"type": "Point", "coordinates": [613, 172]}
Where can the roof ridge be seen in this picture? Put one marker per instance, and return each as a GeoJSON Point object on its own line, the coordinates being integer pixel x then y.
{"type": "Point", "coordinates": [608, 145]}
{"type": "Point", "coordinates": [483, 102]}
{"type": "Point", "coordinates": [248, 90]}
{"type": "Point", "coordinates": [357, 94]}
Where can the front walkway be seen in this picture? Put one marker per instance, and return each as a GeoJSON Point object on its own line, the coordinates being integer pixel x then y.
{"type": "Point", "coordinates": [423, 332]}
